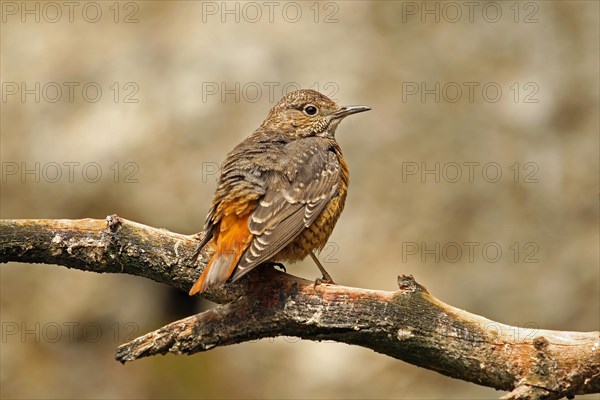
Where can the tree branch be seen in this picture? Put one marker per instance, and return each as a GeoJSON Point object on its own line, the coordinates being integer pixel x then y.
{"type": "Point", "coordinates": [409, 324]}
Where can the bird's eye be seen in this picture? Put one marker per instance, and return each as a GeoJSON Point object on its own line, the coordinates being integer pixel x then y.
{"type": "Point", "coordinates": [310, 110]}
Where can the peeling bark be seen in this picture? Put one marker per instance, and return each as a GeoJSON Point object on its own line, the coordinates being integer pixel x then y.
{"type": "Point", "coordinates": [409, 324]}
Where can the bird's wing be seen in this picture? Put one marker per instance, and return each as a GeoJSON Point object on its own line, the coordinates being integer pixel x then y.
{"type": "Point", "coordinates": [294, 198]}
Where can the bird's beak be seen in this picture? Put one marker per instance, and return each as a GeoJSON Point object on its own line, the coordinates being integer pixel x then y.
{"type": "Point", "coordinates": [349, 110]}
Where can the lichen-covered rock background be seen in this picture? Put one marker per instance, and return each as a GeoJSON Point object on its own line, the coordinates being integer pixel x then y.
{"type": "Point", "coordinates": [460, 91]}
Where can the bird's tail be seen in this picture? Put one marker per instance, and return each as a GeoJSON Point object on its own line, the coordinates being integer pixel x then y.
{"type": "Point", "coordinates": [232, 240]}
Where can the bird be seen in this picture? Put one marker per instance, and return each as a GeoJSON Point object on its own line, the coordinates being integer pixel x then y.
{"type": "Point", "coordinates": [280, 191]}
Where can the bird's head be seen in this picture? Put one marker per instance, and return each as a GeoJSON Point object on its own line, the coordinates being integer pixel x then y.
{"type": "Point", "coordinates": [306, 112]}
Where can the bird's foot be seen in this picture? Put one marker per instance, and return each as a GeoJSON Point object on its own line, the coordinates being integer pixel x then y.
{"type": "Point", "coordinates": [326, 279]}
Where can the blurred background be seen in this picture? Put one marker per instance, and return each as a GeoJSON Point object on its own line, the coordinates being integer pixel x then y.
{"type": "Point", "coordinates": [476, 171]}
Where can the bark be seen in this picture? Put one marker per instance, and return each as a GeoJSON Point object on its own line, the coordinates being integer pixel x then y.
{"type": "Point", "coordinates": [409, 324]}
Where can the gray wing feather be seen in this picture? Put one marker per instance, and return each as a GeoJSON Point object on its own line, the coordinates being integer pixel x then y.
{"type": "Point", "coordinates": [294, 199]}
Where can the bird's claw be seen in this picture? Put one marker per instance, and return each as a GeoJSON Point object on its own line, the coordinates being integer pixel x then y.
{"type": "Point", "coordinates": [327, 280]}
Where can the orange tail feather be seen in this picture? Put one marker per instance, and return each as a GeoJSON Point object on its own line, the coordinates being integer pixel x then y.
{"type": "Point", "coordinates": [233, 239]}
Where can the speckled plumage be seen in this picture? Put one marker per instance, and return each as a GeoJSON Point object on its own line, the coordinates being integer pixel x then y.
{"type": "Point", "coordinates": [281, 191]}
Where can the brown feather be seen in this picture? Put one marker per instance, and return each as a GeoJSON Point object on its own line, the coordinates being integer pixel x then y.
{"type": "Point", "coordinates": [280, 192]}
{"type": "Point", "coordinates": [232, 240]}
{"type": "Point", "coordinates": [294, 199]}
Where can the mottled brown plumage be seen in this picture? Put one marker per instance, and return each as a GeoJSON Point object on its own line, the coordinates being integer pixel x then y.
{"type": "Point", "coordinates": [281, 191]}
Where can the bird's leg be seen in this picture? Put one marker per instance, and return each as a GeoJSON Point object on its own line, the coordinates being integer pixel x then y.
{"type": "Point", "coordinates": [275, 265]}
{"type": "Point", "coordinates": [326, 277]}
